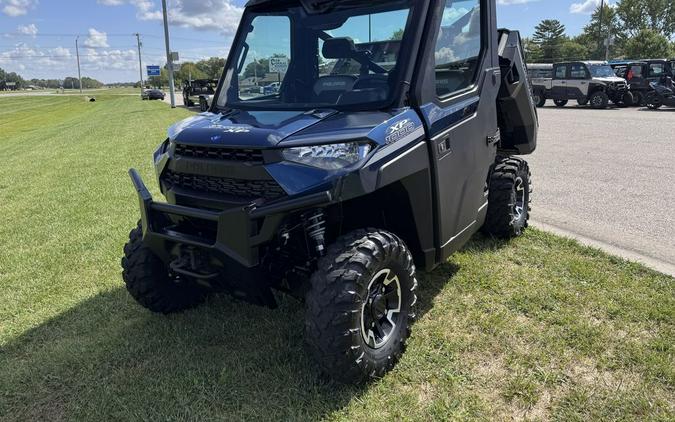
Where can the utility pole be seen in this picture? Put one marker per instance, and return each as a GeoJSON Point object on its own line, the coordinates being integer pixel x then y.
{"type": "Point", "coordinates": [169, 62]}
{"type": "Point", "coordinates": [77, 51]}
{"type": "Point", "coordinates": [602, 12]}
{"type": "Point", "coordinates": [140, 61]}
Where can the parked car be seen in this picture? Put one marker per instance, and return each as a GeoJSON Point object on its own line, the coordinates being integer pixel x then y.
{"type": "Point", "coordinates": [152, 94]}
{"type": "Point", "coordinates": [641, 74]}
{"type": "Point", "coordinates": [194, 90]}
{"type": "Point", "coordinates": [589, 81]}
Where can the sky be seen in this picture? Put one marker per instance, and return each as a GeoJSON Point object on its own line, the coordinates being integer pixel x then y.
{"type": "Point", "coordinates": [37, 37]}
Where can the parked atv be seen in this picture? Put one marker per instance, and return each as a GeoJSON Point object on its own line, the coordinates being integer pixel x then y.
{"type": "Point", "coordinates": [336, 188]}
{"type": "Point", "coordinates": [586, 82]}
{"type": "Point", "coordinates": [662, 94]}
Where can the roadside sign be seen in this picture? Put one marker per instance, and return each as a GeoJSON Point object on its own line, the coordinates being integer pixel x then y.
{"type": "Point", "coordinates": [279, 65]}
{"type": "Point", "coordinates": [176, 67]}
{"type": "Point", "coordinates": [174, 56]}
{"type": "Point", "coordinates": [154, 71]}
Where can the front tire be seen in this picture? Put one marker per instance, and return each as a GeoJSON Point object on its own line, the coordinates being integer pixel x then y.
{"type": "Point", "coordinates": [539, 99]}
{"type": "Point", "coordinates": [509, 199]}
{"type": "Point", "coordinates": [149, 282]}
{"type": "Point", "coordinates": [361, 306]}
{"type": "Point", "coordinates": [560, 103]}
{"type": "Point", "coordinates": [583, 102]}
{"type": "Point", "coordinates": [599, 100]}
{"type": "Point", "coordinates": [203, 106]}
{"type": "Point", "coordinates": [628, 99]}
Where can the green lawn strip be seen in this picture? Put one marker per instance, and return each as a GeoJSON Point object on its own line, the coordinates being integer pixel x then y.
{"type": "Point", "coordinates": [540, 328]}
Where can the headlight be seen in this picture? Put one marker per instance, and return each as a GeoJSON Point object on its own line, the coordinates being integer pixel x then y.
{"type": "Point", "coordinates": [329, 157]}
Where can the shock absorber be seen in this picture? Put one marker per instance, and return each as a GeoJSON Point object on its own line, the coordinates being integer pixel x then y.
{"type": "Point", "coordinates": [315, 228]}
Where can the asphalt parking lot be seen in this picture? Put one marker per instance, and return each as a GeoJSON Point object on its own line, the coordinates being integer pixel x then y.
{"type": "Point", "coordinates": [607, 177]}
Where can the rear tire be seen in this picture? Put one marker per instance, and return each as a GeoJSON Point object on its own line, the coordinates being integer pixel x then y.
{"type": "Point", "coordinates": [360, 306]}
{"type": "Point", "coordinates": [653, 102]}
{"type": "Point", "coordinates": [509, 199]}
{"type": "Point", "coordinates": [560, 103]}
{"type": "Point", "coordinates": [148, 280]}
{"type": "Point", "coordinates": [628, 99]}
{"type": "Point", "coordinates": [583, 102]}
{"type": "Point", "coordinates": [599, 100]}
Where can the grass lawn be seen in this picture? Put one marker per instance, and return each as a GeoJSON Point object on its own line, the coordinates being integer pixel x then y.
{"type": "Point", "coordinates": [539, 328]}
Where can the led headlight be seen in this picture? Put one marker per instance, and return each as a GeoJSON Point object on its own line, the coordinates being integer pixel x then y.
{"type": "Point", "coordinates": [329, 157]}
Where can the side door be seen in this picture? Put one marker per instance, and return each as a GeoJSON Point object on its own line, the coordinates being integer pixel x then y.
{"type": "Point", "coordinates": [578, 82]}
{"type": "Point", "coordinates": [655, 71]}
{"type": "Point", "coordinates": [559, 84]}
{"type": "Point", "coordinates": [461, 82]}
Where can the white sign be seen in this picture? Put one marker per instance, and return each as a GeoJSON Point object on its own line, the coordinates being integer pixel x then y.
{"type": "Point", "coordinates": [279, 65]}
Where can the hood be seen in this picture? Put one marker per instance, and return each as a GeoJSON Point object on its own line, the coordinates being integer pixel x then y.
{"type": "Point", "coordinates": [267, 129]}
{"type": "Point", "coordinates": [611, 79]}
{"type": "Point", "coordinates": [243, 129]}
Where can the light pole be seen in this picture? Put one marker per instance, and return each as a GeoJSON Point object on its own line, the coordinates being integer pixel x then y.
{"type": "Point", "coordinates": [602, 12]}
{"type": "Point", "coordinates": [77, 52]}
{"type": "Point", "coordinates": [169, 62]}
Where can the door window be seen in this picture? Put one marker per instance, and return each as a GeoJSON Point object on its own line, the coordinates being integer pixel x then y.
{"type": "Point", "coordinates": [578, 71]}
{"type": "Point", "coordinates": [656, 70]}
{"type": "Point", "coordinates": [561, 72]}
{"type": "Point", "coordinates": [637, 71]}
{"type": "Point", "coordinates": [458, 46]}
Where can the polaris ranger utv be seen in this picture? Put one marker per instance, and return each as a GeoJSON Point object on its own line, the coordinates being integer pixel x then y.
{"type": "Point", "coordinates": [335, 188]}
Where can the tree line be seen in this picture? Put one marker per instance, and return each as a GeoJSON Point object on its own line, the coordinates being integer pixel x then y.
{"type": "Point", "coordinates": [634, 28]}
{"type": "Point", "coordinates": [210, 68]}
{"type": "Point", "coordinates": [69, 82]}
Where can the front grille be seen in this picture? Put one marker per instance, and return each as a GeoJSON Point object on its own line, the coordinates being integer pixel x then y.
{"type": "Point", "coordinates": [251, 156]}
{"type": "Point", "coordinates": [243, 189]}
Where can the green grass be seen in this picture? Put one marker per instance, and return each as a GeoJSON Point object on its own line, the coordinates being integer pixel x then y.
{"type": "Point", "coordinates": [539, 328]}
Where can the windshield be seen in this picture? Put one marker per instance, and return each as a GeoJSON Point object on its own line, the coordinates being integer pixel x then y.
{"type": "Point", "coordinates": [294, 60]}
{"type": "Point", "coordinates": [602, 71]}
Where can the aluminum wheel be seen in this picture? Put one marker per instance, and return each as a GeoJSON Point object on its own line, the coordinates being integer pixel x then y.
{"type": "Point", "coordinates": [381, 310]}
{"type": "Point", "coordinates": [521, 199]}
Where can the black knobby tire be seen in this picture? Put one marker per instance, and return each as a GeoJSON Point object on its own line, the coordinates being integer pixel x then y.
{"type": "Point", "coordinates": [652, 101]}
{"type": "Point", "coordinates": [583, 102]}
{"type": "Point", "coordinates": [339, 300]}
{"type": "Point", "coordinates": [509, 199]}
{"type": "Point", "coordinates": [203, 106]}
{"type": "Point", "coordinates": [539, 99]}
{"type": "Point", "coordinates": [148, 280]}
{"type": "Point", "coordinates": [639, 99]}
{"type": "Point", "coordinates": [560, 103]}
{"type": "Point", "coordinates": [599, 100]}
{"type": "Point", "coordinates": [628, 99]}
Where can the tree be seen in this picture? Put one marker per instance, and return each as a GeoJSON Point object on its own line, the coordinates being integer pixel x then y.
{"type": "Point", "coordinates": [212, 67]}
{"type": "Point", "coordinates": [532, 51]}
{"type": "Point", "coordinates": [593, 38]}
{"type": "Point", "coordinates": [549, 36]}
{"type": "Point", "coordinates": [397, 35]}
{"type": "Point", "coordinates": [572, 50]}
{"type": "Point", "coordinates": [190, 70]}
{"type": "Point", "coordinates": [648, 43]}
{"type": "Point", "coordinates": [638, 15]}
{"type": "Point", "coordinates": [257, 68]}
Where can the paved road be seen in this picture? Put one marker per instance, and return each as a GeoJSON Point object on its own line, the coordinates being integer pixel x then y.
{"type": "Point", "coordinates": [608, 177]}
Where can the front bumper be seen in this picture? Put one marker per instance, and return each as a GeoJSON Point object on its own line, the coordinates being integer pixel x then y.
{"type": "Point", "coordinates": [234, 234]}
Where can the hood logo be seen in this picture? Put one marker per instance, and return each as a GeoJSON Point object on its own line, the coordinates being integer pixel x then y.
{"type": "Point", "coordinates": [231, 129]}
{"type": "Point", "coordinates": [399, 130]}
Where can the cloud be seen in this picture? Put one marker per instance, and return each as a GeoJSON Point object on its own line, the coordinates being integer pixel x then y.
{"type": "Point", "coordinates": [96, 39]}
{"type": "Point", "coordinates": [17, 7]}
{"type": "Point", "coordinates": [510, 2]}
{"type": "Point", "coordinates": [31, 30]}
{"type": "Point", "coordinates": [209, 15]}
{"type": "Point", "coordinates": [587, 7]}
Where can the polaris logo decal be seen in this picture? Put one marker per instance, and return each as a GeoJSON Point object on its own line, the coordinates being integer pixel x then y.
{"type": "Point", "coordinates": [399, 131]}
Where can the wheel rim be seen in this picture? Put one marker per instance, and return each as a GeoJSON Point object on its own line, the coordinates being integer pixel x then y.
{"type": "Point", "coordinates": [536, 98]}
{"type": "Point", "coordinates": [597, 100]}
{"type": "Point", "coordinates": [381, 310]}
{"type": "Point", "coordinates": [521, 200]}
